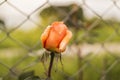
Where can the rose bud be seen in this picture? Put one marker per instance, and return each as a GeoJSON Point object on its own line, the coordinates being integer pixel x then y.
{"type": "Point", "coordinates": [56, 37]}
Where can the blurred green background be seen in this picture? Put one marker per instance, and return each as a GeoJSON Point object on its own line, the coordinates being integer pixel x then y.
{"type": "Point", "coordinates": [21, 50]}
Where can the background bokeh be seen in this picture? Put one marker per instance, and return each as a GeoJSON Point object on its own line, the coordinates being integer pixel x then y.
{"type": "Point", "coordinates": [92, 54]}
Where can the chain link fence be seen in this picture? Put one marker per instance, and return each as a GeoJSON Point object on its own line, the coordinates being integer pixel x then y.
{"type": "Point", "coordinates": [92, 54]}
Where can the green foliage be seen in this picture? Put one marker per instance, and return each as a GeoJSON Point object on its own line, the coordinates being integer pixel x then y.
{"type": "Point", "coordinates": [95, 67]}
{"type": "Point", "coordinates": [94, 70]}
{"type": "Point", "coordinates": [59, 13]}
{"type": "Point", "coordinates": [80, 25]}
{"type": "Point", "coordinates": [46, 18]}
{"type": "Point", "coordinates": [28, 76]}
{"type": "Point", "coordinates": [101, 33]}
{"type": "Point", "coordinates": [28, 38]}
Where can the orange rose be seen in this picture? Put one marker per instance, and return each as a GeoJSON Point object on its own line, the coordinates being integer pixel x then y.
{"type": "Point", "coordinates": [56, 37]}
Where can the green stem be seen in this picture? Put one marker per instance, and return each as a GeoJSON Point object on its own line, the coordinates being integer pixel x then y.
{"type": "Point", "coordinates": [52, 54]}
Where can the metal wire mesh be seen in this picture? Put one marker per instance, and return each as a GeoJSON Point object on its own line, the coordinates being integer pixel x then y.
{"type": "Point", "coordinates": [88, 62]}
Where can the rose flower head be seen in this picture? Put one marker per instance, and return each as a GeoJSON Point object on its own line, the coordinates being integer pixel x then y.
{"type": "Point", "coordinates": [56, 37]}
